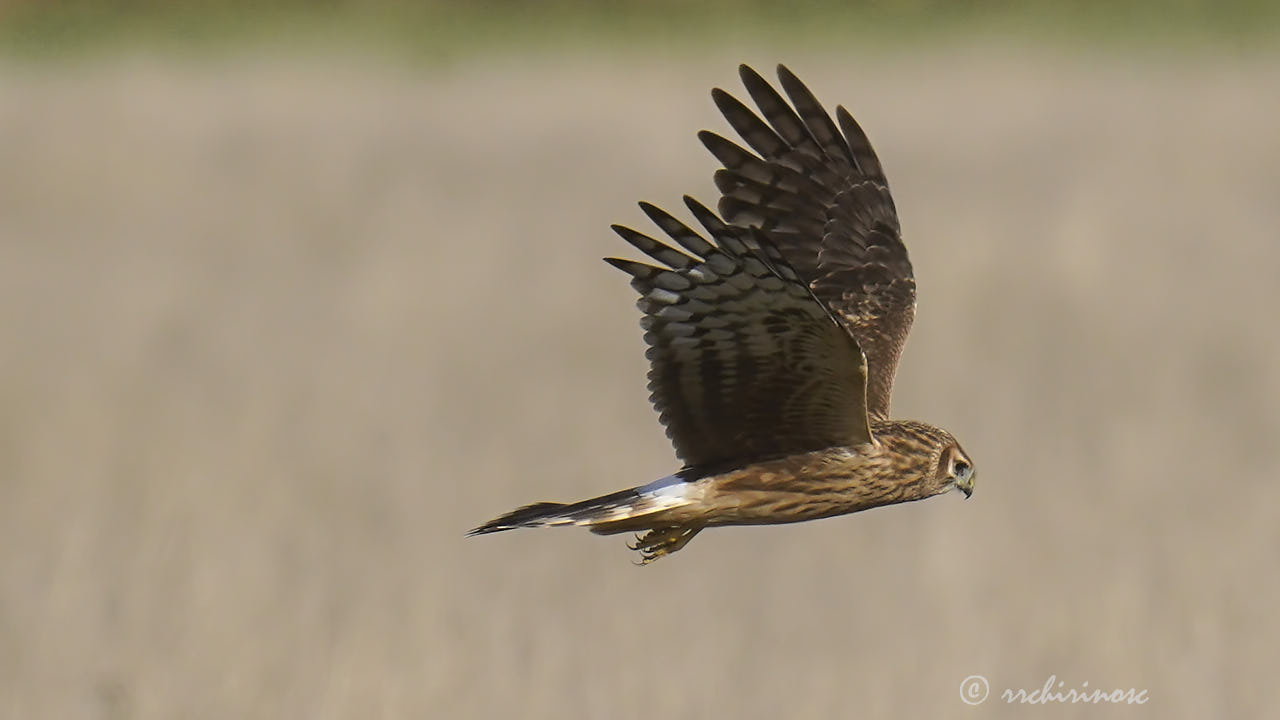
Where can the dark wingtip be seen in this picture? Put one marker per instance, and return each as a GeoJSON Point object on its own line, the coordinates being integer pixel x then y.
{"type": "Point", "coordinates": [726, 103]}
{"type": "Point", "coordinates": [635, 269]}
{"type": "Point", "coordinates": [695, 206]}
{"type": "Point", "coordinates": [712, 140]}
{"type": "Point", "coordinates": [631, 235]}
{"type": "Point", "coordinates": [707, 218]}
{"type": "Point", "coordinates": [751, 78]}
{"type": "Point", "coordinates": [656, 214]}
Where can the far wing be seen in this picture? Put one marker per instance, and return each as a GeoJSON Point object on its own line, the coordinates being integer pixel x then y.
{"type": "Point", "coordinates": [745, 363]}
{"type": "Point", "coordinates": [819, 194]}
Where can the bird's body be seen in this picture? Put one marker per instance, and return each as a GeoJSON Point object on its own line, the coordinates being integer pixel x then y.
{"type": "Point", "coordinates": [774, 344]}
{"type": "Point", "coordinates": [899, 466]}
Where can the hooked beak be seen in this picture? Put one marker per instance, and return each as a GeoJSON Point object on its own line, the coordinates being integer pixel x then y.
{"type": "Point", "coordinates": [966, 485]}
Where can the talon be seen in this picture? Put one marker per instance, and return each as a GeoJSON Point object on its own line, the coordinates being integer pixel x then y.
{"type": "Point", "coordinates": [661, 542]}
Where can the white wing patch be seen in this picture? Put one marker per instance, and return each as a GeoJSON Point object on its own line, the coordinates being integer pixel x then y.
{"type": "Point", "coordinates": [668, 492]}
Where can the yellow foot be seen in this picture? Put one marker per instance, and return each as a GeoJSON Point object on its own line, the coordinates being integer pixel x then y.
{"type": "Point", "coordinates": [661, 542]}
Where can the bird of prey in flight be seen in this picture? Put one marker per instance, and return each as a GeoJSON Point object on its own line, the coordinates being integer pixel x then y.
{"type": "Point", "coordinates": [774, 335]}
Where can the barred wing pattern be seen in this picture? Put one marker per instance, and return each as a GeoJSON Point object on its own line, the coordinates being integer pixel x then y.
{"type": "Point", "coordinates": [821, 198]}
{"type": "Point", "coordinates": [745, 363]}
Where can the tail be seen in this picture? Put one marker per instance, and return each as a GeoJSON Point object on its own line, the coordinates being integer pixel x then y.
{"type": "Point", "coordinates": [630, 509]}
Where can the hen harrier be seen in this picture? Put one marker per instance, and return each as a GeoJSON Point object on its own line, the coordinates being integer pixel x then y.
{"type": "Point", "coordinates": [773, 345]}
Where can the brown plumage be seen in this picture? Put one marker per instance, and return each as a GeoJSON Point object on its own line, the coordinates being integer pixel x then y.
{"type": "Point", "coordinates": [773, 344]}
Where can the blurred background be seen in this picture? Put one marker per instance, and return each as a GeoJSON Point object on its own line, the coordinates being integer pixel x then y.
{"type": "Point", "coordinates": [294, 294]}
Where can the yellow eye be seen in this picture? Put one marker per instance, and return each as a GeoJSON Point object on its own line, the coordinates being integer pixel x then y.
{"type": "Point", "coordinates": [960, 469]}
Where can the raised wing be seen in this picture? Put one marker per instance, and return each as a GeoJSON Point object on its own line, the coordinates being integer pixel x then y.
{"type": "Point", "coordinates": [745, 363]}
{"type": "Point", "coordinates": [819, 194]}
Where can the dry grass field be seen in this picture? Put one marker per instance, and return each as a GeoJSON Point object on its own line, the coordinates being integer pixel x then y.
{"type": "Point", "coordinates": [277, 332]}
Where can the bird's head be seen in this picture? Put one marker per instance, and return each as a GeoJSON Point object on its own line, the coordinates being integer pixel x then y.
{"type": "Point", "coordinates": [955, 470]}
{"type": "Point", "coordinates": [924, 456]}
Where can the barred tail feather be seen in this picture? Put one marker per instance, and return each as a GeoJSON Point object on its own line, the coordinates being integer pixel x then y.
{"type": "Point", "coordinates": [535, 515]}
{"type": "Point", "coordinates": [605, 514]}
